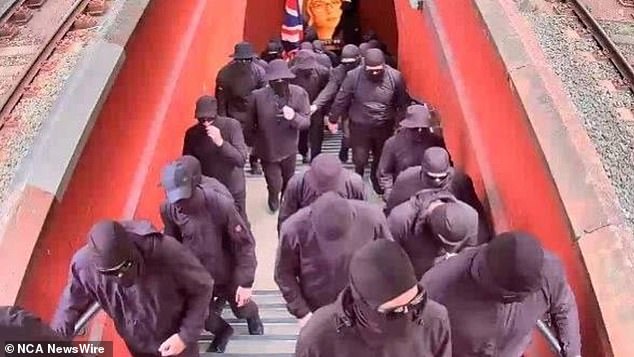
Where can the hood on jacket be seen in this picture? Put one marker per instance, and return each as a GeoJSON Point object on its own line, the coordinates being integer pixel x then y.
{"type": "Point", "coordinates": [380, 272]}
{"type": "Point", "coordinates": [326, 173]}
{"type": "Point", "coordinates": [510, 266]}
{"type": "Point", "coordinates": [331, 216]}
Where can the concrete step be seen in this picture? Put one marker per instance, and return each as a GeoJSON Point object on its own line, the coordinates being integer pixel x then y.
{"type": "Point", "coordinates": [280, 330]}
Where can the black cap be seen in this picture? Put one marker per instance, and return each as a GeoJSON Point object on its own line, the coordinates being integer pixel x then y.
{"type": "Point", "coordinates": [453, 223]}
{"type": "Point", "coordinates": [206, 107]}
{"type": "Point", "coordinates": [193, 167]}
{"type": "Point", "coordinates": [305, 59]}
{"type": "Point", "coordinates": [374, 57]}
{"type": "Point", "coordinates": [177, 182]}
{"type": "Point", "coordinates": [350, 53]}
{"type": "Point", "coordinates": [109, 244]}
{"type": "Point", "coordinates": [381, 271]}
{"type": "Point", "coordinates": [436, 161]}
{"type": "Point", "coordinates": [306, 46]}
{"type": "Point", "coordinates": [243, 50]}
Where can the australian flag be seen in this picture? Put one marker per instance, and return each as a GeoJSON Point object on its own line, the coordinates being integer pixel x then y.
{"type": "Point", "coordinates": [293, 26]}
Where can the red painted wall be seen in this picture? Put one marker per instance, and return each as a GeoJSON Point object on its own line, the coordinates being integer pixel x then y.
{"type": "Point", "coordinates": [380, 16]}
{"type": "Point", "coordinates": [264, 22]}
{"type": "Point", "coordinates": [480, 112]}
{"type": "Point", "coordinates": [140, 128]}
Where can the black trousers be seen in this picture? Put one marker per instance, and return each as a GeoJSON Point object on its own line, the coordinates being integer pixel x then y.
{"type": "Point", "coordinates": [215, 323]}
{"type": "Point", "coordinates": [365, 141]}
{"type": "Point", "coordinates": [313, 136]}
{"type": "Point", "coordinates": [241, 203]}
{"type": "Point", "coordinates": [278, 173]}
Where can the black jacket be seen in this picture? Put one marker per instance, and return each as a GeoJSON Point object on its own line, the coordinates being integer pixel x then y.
{"type": "Point", "coordinates": [234, 85]}
{"type": "Point", "coordinates": [224, 163]}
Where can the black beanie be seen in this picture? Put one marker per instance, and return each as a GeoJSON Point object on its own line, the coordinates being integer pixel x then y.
{"type": "Point", "coordinates": [381, 271]}
{"type": "Point", "coordinates": [515, 261]}
{"type": "Point", "coordinates": [109, 244]}
{"type": "Point", "coordinates": [374, 57]}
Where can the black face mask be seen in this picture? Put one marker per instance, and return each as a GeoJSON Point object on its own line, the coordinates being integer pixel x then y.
{"type": "Point", "coordinates": [280, 87]}
{"type": "Point", "coordinates": [375, 75]}
{"type": "Point", "coordinates": [304, 72]}
{"type": "Point", "coordinates": [204, 121]}
{"type": "Point", "coordinates": [381, 326]}
{"type": "Point", "coordinates": [191, 205]}
{"type": "Point", "coordinates": [350, 66]}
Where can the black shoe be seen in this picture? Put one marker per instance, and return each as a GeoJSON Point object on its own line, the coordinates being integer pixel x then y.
{"type": "Point", "coordinates": [255, 326]}
{"type": "Point", "coordinates": [274, 202]}
{"type": "Point", "coordinates": [256, 169]}
{"type": "Point", "coordinates": [221, 340]}
{"type": "Point", "coordinates": [305, 159]}
{"type": "Point", "coordinates": [343, 155]}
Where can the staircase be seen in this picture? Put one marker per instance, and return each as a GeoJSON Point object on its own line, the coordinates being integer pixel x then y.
{"type": "Point", "coordinates": [280, 330]}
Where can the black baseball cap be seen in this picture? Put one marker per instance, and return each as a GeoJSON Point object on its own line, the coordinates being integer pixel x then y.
{"type": "Point", "coordinates": [177, 182]}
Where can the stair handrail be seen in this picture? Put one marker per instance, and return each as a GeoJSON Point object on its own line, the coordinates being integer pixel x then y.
{"type": "Point", "coordinates": [550, 337]}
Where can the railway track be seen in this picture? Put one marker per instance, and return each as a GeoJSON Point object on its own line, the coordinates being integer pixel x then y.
{"type": "Point", "coordinates": [610, 49]}
{"type": "Point", "coordinates": [32, 31]}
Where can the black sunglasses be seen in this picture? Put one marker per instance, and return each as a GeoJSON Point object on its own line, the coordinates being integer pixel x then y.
{"type": "Point", "coordinates": [120, 270]}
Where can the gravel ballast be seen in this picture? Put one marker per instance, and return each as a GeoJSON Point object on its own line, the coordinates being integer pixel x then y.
{"type": "Point", "coordinates": [585, 79]}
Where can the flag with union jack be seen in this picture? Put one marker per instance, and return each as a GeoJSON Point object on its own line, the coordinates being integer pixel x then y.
{"type": "Point", "coordinates": [293, 26]}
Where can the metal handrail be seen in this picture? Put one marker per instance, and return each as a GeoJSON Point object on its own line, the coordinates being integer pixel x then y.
{"type": "Point", "coordinates": [85, 318]}
{"type": "Point", "coordinates": [550, 337]}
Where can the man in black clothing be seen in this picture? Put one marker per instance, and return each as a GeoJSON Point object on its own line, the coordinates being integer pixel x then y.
{"type": "Point", "coordinates": [234, 85]}
{"type": "Point", "coordinates": [218, 143]}
{"type": "Point", "coordinates": [374, 98]}
{"type": "Point", "coordinates": [437, 173]}
{"type": "Point", "coordinates": [276, 115]}
{"type": "Point", "coordinates": [208, 223]}
{"type": "Point", "coordinates": [274, 50]}
{"type": "Point", "coordinates": [350, 59]}
{"type": "Point", "coordinates": [406, 148]}
{"type": "Point", "coordinates": [313, 77]}
{"type": "Point", "coordinates": [316, 244]}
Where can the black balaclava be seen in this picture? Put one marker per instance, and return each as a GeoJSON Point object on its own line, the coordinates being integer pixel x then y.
{"type": "Point", "coordinates": [379, 272]}
{"type": "Point", "coordinates": [331, 216]}
{"type": "Point", "coordinates": [281, 87]}
{"type": "Point", "coordinates": [375, 58]}
{"type": "Point", "coordinates": [510, 266]}
{"type": "Point", "coordinates": [192, 165]}
{"type": "Point", "coordinates": [110, 246]}
{"type": "Point", "coordinates": [452, 224]}
{"type": "Point", "coordinates": [436, 161]}
{"type": "Point", "coordinates": [274, 50]}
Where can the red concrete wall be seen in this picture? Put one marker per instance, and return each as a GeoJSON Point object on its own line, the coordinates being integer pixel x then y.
{"type": "Point", "coordinates": [140, 128]}
{"type": "Point", "coordinates": [480, 112]}
{"type": "Point", "coordinates": [380, 16]}
{"type": "Point", "coordinates": [264, 21]}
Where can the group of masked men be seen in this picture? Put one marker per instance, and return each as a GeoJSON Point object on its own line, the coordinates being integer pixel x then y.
{"type": "Point", "coordinates": [423, 275]}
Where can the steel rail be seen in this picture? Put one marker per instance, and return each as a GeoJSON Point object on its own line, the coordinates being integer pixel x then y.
{"type": "Point", "coordinates": [599, 34]}
{"type": "Point", "coordinates": [13, 96]}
